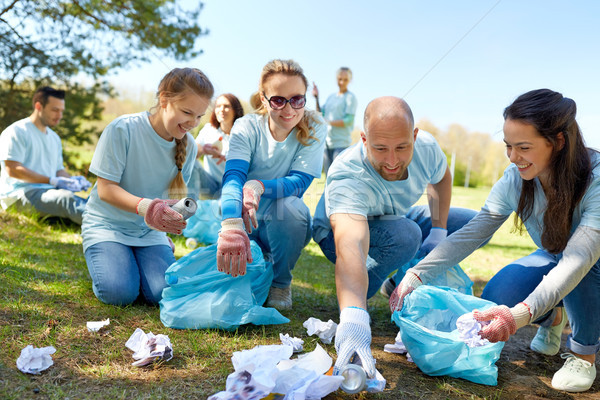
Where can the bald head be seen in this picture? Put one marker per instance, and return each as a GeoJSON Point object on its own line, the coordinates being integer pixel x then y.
{"type": "Point", "coordinates": [388, 110]}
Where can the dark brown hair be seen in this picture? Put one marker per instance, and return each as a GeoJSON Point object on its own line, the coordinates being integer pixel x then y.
{"type": "Point", "coordinates": [41, 95]}
{"type": "Point", "coordinates": [570, 165]}
{"type": "Point", "coordinates": [238, 110]}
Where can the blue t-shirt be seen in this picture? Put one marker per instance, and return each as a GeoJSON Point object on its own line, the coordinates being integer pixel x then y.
{"type": "Point", "coordinates": [504, 199]}
{"type": "Point", "coordinates": [355, 187]}
{"type": "Point", "coordinates": [340, 106]}
{"type": "Point", "coordinates": [40, 152]}
{"type": "Point", "coordinates": [211, 135]}
{"type": "Point", "coordinates": [251, 141]}
{"type": "Point", "coordinates": [131, 153]}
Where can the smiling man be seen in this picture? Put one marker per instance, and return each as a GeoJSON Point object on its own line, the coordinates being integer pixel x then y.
{"type": "Point", "coordinates": [366, 223]}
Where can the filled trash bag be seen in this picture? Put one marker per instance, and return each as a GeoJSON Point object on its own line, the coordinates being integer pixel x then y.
{"type": "Point", "coordinates": [204, 225]}
{"type": "Point", "coordinates": [427, 325]}
{"type": "Point", "coordinates": [453, 277]}
{"type": "Point", "coordinates": [199, 296]}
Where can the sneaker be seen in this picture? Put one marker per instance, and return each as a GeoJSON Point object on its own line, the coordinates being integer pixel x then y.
{"type": "Point", "coordinates": [547, 339]}
{"type": "Point", "coordinates": [576, 375]}
{"type": "Point", "coordinates": [387, 287]}
{"type": "Point", "coordinates": [280, 298]}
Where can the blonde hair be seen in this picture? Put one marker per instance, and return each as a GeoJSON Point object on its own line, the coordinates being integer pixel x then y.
{"type": "Point", "coordinates": [174, 86]}
{"type": "Point", "coordinates": [289, 68]}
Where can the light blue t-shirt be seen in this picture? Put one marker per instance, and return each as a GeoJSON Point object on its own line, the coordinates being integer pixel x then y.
{"type": "Point", "coordinates": [504, 199]}
{"type": "Point", "coordinates": [210, 135]}
{"type": "Point", "coordinates": [251, 141]}
{"type": "Point", "coordinates": [340, 106]}
{"type": "Point", "coordinates": [40, 152]}
{"type": "Point", "coordinates": [131, 153]}
{"type": "Point", "coordinates": [355, 187]}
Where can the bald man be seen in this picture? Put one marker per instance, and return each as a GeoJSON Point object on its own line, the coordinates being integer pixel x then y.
{"type": "Point", "coordinates": [366, 223]}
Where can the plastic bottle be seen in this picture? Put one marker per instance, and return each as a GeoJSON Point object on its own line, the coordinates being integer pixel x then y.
{"type": "Point", "coordinates": [191, 243]}
{"type": "Point", "coordinates": [218, 144]}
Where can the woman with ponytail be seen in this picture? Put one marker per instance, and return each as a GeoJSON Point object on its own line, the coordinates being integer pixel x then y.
{"type": "Point", "coordinates": [143, 162]}
{"type": "Point", "coordinates": [553, 186]}
{"type": "Point", "coordinates": [273, 157]}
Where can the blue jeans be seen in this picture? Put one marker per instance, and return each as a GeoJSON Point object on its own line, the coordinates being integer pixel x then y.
{"type": "Point", "coordinates": [56, 203]}
{"type": "Point", "coordinates": [329, 155]}
{"type": "Point", "coordinates": [513, 283]}
{"type": "Point", "coordinates": [395, 240]}
{"type": "Point", "coordinates": [284, 229]}
{"type": "Point", "coordinates": [202, 185]}
{"type": "Point", "coordinates": [119, 272]}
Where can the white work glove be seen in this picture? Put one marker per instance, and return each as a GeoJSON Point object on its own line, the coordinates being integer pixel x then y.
{"type": "Point", "coordinates": [60, 182]}
{"type": "Point", "coordinates": [436, 235]}
{"type": "Point", "coordinates": [410, 282]}
{"type": "Point", "coordinates": [353, 335]}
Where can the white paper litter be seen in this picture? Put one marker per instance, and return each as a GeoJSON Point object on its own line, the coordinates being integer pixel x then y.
{"type": "Point", "coordinates": [296, 343]}
{"type": "Point", "coordinates": [149, 348]}
{"type": "Point", "coordinates": [324, 330]}
{"type": "Point", "coordinates": [95, 326]}
{"type": "Point", "coordinates": [34, 360]}
{"type": "Point", "coordinates": [268, 369]}
{"type": "Point", "coordinates": [468, 330]}
{"type": "Point", "coordinates": [398, 347]}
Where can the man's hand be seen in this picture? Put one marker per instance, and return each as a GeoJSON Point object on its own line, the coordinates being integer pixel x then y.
{"type": "Point", "coordinates": [409, 283]}
{"type": "Point", "coordinates": [233, 248]}
{"type": "Point", "coordinates": [252, 191]}
{"type": "Point", "coordinates": [353, 335]}
{"type": "Point", "coordinates": [60, 182]}
{"type": "Point", "coordinates": [84, 184]}
{"type": "Point", "coordinates": [504, 321]}
{"type": "Point", "coordinates": [159, 215]}
{"type": "Point", "coordinates": [436, 235]}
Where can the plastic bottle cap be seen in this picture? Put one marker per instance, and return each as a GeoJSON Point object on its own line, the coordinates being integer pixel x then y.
{"type": "Point", "coordinates": [355, 379]}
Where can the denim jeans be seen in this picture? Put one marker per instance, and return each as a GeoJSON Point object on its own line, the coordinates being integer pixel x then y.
{"type": "Point", "coordinates": [119, 272]}
{"type": "Point", "coordinates": [329, 155]}
{"type": "Point", "coordinates": [513, 283]}
{"type": "Point", "coordinates": [55, 202]}
{"type": "Point", "coordinates": [202, 185]}
{"type": "Point", "coordinates": [395, 240]}
{"type": "Point", "coordinates": [284, 229]}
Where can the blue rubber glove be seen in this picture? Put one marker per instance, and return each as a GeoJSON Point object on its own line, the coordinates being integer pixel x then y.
{"type": "Point", "coordinates": [61, 182]}
{"type": "Point", "coordinates": [353, 335]}
{"type": "Point", "coordinates": [84, 184]}
{"type": "Point", "coordinates": [436, 235]}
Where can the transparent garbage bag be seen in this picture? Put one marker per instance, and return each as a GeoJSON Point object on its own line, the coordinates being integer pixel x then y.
{"type": "Point", "coordinates": [199, 296]}
{"type": "Point", "coordinates": [427, 325]}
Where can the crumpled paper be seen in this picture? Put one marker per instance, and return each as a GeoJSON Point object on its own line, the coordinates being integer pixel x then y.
{"type": "Point", "coordinates": [324, 330]}
{"type": "Point", "coordinates": [468, 330]}
{"type": "Point", "coordinates": [34, 360]}
{"type": "Point", "coordinates": [149, 348]}
{"type": "Point", "coordinates": [95, 326]}
{"type": "Point", "coordinates": [296, 343]}
{"type": "Point", "coordinates": [398, 347]}
{"type": "Point", "coordinates": [268, 369]}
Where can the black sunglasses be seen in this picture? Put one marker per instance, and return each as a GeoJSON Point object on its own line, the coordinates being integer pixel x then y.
{"type": "Point", "coordinates": [279, 102]}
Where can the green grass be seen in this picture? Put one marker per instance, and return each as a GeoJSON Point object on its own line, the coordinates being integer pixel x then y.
{"type": "Point", "coordinates": [46, 298]}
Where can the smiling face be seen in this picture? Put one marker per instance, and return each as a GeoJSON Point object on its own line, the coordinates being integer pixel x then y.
{"type": "Point", "coordinates": [178, 116]}
{"type": "Point", "coordinates": [389, 144]}
{"type": "Point", "coordinates": [224, 110]}
{"type": "Point", "coordinates": [281, 122]}
{"type": "Point", "coordinates": [528, 150]}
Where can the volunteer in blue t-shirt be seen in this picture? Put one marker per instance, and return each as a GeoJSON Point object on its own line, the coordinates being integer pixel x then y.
{"type": "Point", "coordinates": [553, 186]}
{"type": "Point", "coordinates": [365, 222]}
{"type": "Point", "coordinates": [338, 111]}
{"type": "Point", "coordinates": [143, 162]}
{"type": "Point", "coordinates": [273, 157]}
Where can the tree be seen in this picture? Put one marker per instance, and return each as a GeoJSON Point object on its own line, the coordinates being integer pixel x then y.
{"type": "Point", "coordinates": [57, 42]}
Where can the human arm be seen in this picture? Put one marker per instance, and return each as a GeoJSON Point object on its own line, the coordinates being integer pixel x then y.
{"type": "Point", "coordinates": [438, 196]}
{"type": "Point", "coordinates": [293, 184]}
{"type": "Point", "coordinates": [315, 92]}
{"type": "Point", "coordinates": [17, 170]}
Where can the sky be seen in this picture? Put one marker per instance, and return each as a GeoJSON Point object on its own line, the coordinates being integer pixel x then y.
{"type": "Point", "coordinates": [459, 61]}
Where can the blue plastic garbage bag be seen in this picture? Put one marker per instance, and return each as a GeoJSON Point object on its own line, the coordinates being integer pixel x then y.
{"type": "Point", "coordinates": [453, 277]}
{"type": "Point", "coordinates": [427, 325]}
{"type": "Point", "coordinates": [199, 296]}
{"type": "Point", "coordinates": [204, 225]}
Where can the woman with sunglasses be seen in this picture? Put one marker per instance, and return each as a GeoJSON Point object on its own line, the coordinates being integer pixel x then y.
{"type": "Point", "coordinates": [273, 157]}
{"type": "Point", "coordinates": [553, 186]}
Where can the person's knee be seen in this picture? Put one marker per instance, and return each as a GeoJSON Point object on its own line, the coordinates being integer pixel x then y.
{"type": "Point", "coordinates": [400, 233]}
{"type": "Point", "coordinates": [119, 294]}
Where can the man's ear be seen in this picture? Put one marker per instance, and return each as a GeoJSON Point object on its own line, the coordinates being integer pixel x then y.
{"type": "Point", "coordinates": [363, 136]}
{"type": "Point", "coordinates": [37, 106]}
{"type": "Point", "coordinates": [416, 131]}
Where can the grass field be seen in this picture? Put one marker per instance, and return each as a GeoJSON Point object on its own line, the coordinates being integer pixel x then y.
{"type": "Point", "coordinates": [46, 299]}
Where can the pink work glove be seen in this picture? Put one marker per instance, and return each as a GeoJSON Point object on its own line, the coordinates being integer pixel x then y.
{"type": "Point", "coordinates": [504, 321]}
{"type": "Point", "coordinates": [252, 191]}
{"type": "Point", "coordinates": [409, 283]}
{"type": "Point", "coordinates": [233, 248]}
{"type": "Point", "coordinates": [159, 215]}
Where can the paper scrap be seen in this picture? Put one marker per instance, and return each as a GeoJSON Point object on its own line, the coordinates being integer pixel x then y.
{"type": "Point", "coordinates": [149, 348]}
{"type": "Point", "coordinates": [95, 326]}
{"type": "Point", "coordinates": [34, 360]}
{"type": "Point", "coordinates": [324, 330]}
{"type": "Point", "coordinates": [296, 343]}
{"type": "Point", "coordinates": [468, 330]}
{"type": "Point", "coordinates": [398, 347]}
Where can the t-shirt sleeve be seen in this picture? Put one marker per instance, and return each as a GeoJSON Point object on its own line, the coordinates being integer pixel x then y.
{"type": "Point", "coordinates": [347, 196]}
{"type": "Point", "coordinates": [13, 146]}
{"type": "Point", "coordinates": [110, 157]}
{"type": "Point", "coordinates": [242, 140]}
